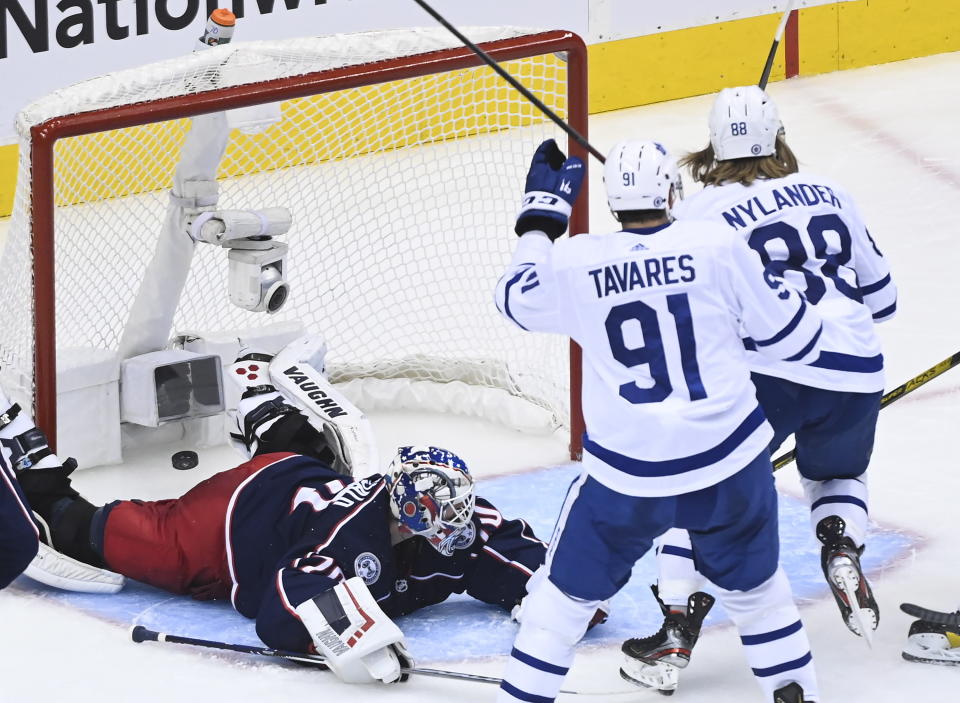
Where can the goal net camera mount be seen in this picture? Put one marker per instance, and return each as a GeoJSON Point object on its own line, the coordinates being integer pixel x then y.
{"type": "Point", "coordinates": [256, 261]}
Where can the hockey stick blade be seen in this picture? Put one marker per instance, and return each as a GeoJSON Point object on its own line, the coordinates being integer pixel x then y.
{"type": "Point", "coordinates": [139, 633]}
{"type": "Point", "coordinates": [934, 616]}
{"type": "Point", "coordinates": [893, 396]}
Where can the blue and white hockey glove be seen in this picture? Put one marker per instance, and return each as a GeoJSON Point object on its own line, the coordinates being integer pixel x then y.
{"type": "Point", "coordinates": [553, 183]}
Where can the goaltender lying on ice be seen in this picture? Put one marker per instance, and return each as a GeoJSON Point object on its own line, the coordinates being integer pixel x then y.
{"type": "Point", "coordinates": [321, 560]}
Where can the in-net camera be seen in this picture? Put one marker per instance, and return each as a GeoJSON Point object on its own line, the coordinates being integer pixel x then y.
{"type": "Point", "coordinates": [256, 261]}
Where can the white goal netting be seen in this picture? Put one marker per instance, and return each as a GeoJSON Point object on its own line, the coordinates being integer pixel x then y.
{"type": "Point", "coordinates": [403, 195]}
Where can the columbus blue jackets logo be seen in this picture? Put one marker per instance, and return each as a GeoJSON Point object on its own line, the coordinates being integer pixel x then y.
{"type": "Point", "coordinates": [367, 567]}
{"type": "Point", "coordinates": [466, 537]}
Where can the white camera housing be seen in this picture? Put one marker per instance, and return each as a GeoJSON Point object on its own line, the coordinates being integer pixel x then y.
{"type": "Point", "coordinates": [256, 279]}
{"type": "Point", "coordinates": [256, 261]}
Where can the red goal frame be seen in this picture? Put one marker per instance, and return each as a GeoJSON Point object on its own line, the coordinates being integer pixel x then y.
{"type": "Point", "coordinates": [45, 135]}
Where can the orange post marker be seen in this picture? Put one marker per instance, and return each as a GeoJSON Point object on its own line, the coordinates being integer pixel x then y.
{"type": "Point", "coordinates": [219, 29]}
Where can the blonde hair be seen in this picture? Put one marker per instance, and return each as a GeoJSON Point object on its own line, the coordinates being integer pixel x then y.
{"type": "Point", "coordinates": [705, 168]}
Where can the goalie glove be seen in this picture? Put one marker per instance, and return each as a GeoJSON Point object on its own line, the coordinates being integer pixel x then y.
{"type": "Point", "coordinates": [359, 642]}
{"type": "Point", "coordinates": [553, 183]}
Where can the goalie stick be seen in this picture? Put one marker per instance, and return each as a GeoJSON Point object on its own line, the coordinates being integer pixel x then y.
{"type": "Point", "coordinates": [934, 616]}
{"type": "Point", "coordinates": [768, 66]}
{"type": "Point", "coordinates": [139, 633]}
{"type": "Point", "coordinates": [891, 397]}
{"type": "Point", "coordinates": [487, 59]}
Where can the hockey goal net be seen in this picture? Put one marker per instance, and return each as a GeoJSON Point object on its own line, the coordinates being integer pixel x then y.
{"type": "Point", "coordinates": [400, 156]}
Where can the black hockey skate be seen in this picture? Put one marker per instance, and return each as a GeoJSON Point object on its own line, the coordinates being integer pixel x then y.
{"type": "Point", "coordinates": [655, 661]}
{"type": "Point", "coordinates": [934, 638]}
{"type": "Point", "coordinates": [840, 561]}
{"type": "Point", "coordinates": [791, 693]}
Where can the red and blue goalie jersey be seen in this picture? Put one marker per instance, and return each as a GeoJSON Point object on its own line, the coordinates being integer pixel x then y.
{"type": "Point", "coordinates": [282, 528]}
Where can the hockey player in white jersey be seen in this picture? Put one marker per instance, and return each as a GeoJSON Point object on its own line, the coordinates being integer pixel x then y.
{"type": "Point", "coordinates": [807, 231]}
{"type": "Point", "coordinates": [675, 436]}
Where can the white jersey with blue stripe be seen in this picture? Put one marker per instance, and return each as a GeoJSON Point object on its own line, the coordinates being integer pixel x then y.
{"type": "Point", "coordinates": [808, 231]}
{"type": "Point", "coordinates": [667, 397]}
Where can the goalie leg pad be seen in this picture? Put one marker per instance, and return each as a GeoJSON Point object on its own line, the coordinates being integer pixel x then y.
{"type": "Point", "coordinates": [360, 643]}
{"type": "Point", "coordinates": [310, 349]}
{"type": "Point", "coordinates": [250, 373]}
{"type": "Point", "coordinates": [259, 406]}
{"type": "Point", "coordinates": [297, 379]}
{"type": "Point", "coordinates": [54, 569]}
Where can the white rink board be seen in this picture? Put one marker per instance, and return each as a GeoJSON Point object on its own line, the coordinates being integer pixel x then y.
{"type": "Point", "coordinates": [621, 19]}
{"type": "Point", "coordinates": [887, 133]}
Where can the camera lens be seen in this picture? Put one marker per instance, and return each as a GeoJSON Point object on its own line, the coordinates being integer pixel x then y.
{"type": "Point", "coordinates": [277, 296]}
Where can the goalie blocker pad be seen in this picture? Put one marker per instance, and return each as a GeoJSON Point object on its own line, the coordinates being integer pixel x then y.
{"type": "Point", "coordinates": [359, 642]}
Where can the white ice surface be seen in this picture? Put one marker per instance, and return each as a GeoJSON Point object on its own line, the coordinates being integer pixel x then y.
{"type": "Point", "coordinates": [888, 134]}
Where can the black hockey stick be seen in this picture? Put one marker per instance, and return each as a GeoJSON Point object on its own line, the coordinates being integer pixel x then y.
{"type": "Point", "coordinates": [139, 633]}
{"type": "Point", "coordinates": [765, 76]}
{"type": "Point", "coordinates": [487, 59]}
{"type": "Point", "coordinates": [934, 616]}
{"type": "Point", "coordinates": [891, 397]}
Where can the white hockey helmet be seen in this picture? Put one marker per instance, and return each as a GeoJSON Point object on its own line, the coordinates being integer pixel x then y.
{"type": "Point", "coordinates": [432, 492]}
{"type": "Point", "coordinates": [640, 175]}
{"type": "Point", "coordinates": [744, 123]}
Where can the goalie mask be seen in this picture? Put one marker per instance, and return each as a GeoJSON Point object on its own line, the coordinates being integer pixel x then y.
{"type": "Point", "coordinates": [432, 492]}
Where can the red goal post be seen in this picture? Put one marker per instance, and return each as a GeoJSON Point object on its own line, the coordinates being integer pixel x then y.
{"type": "Point", "coordinates": [46, 205]}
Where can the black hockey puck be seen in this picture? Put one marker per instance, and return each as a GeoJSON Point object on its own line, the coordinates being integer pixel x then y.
{"type": "Point", "coordinates": [184, 460]}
